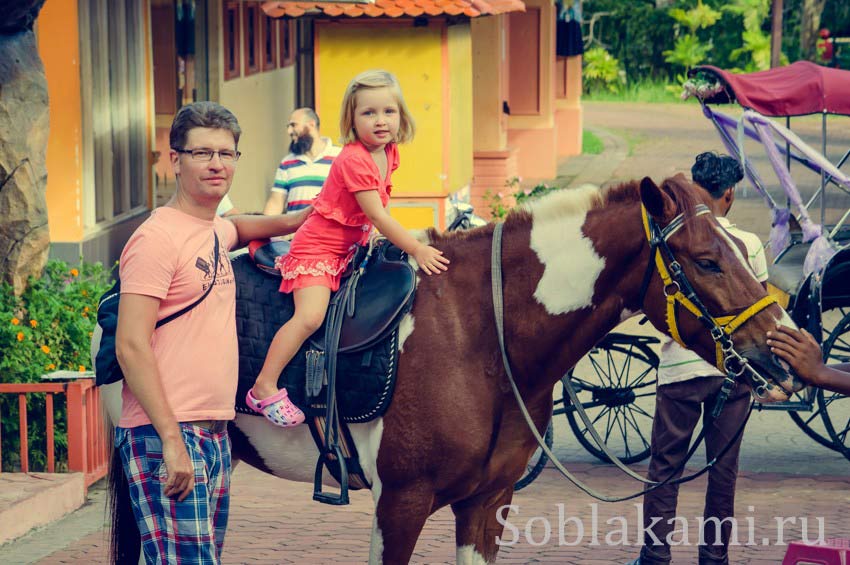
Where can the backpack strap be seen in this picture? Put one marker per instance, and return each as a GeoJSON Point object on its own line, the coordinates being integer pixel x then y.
{"type": "Point", "coordinates": [176, 315]}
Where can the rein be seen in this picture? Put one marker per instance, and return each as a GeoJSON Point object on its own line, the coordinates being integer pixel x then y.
{"type": "Point", "coordinates": [498, 311]}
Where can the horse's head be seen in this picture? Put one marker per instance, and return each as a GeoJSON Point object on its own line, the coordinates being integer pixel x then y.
{"type": "Point", "coordinates": [704, 272]}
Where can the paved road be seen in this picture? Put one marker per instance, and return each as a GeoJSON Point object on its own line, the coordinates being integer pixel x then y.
{"type": "Point", "coordinates": [275, 521]}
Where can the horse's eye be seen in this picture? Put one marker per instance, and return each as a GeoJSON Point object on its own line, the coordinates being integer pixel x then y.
{"type": "Point", "coordinates": [708, 265]}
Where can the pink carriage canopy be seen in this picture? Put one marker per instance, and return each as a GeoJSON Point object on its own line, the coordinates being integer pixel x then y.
{"type": "Point", "coordinates": [796, 90]}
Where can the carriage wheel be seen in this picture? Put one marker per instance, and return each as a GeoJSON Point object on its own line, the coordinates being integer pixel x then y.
{"type": "Point", "coordinates": [812, 422]}
{"type": "Point", "coordinates": [615, 383]}
{"type": "Point", "coordinates": [537, 462]}
{"type": "Point", "coordinates": [834, 407]}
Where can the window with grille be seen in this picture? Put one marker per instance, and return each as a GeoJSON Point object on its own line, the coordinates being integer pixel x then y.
{"type": "Point", "coordinates": [287, 42]}
{"type": "Point", "coordinates": [268, 32]}
{"type": "Point", "coordinates": [251, 37]}
{"type": "Point", "coordinates": [232, 23]}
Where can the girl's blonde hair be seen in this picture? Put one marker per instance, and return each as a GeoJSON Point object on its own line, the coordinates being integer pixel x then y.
{"type": "Point", "coordinates": [368, 80]}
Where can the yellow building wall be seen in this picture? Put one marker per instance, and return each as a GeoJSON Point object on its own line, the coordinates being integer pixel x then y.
{"type": "Point", "coordinates": [59, 47]}
{"type": "Point", "coordinates": [417, 215]}
{"type": "Point", "coordinates": [415, 56]}
{"type": "Point", "coordinates": [459, 138]}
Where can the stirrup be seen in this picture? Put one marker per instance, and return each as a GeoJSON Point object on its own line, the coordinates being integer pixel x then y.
{"type": "Point", "coordinates": [340, 499]}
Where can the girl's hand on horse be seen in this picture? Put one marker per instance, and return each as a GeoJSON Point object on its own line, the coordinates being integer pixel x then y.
{"type": "Point", "coordinates": [430, 259]}
{"type": "Point", "coordinates": [180, 479]}
{"type": "Point", "coordinates": [799, 349]}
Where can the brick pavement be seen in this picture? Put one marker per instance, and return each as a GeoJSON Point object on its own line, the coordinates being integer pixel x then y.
{"type": "Point", "coordinates": [291, 528]}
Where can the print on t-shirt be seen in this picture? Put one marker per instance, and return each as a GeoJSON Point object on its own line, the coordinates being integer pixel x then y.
{"type": "Point", "coordinates": [205, 265]}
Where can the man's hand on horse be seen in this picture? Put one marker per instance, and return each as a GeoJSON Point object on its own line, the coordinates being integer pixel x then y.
{"type": "Point", "coordinates": [799, 349]}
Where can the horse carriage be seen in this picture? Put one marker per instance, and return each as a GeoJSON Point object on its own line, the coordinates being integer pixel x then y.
{"type": "Point", "coordinates": [812, 260]}
{"type": "Point", "coordinates": [810, 275]}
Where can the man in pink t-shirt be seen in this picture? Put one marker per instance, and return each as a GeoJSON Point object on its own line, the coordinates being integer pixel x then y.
{"type": "Point", "coordinates": [180, 379]}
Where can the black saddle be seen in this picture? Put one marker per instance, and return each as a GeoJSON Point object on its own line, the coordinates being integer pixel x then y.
{"type": "Point", "coordinates": [384, 289]}
{"type": "Point", "coordinates": [345, 372]}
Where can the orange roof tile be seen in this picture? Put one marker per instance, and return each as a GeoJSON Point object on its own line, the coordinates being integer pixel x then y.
{"type": "Point", "coordinates": [393, 8]}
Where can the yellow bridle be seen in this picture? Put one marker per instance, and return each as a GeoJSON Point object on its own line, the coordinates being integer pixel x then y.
{"type": "Point", "coordinates": [726, 324]}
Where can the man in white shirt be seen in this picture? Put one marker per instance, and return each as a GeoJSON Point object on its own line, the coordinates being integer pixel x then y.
{"type": "Point", "coordinates": [687, 388]}
{"type": "Point", "coordinates": [303, 171]}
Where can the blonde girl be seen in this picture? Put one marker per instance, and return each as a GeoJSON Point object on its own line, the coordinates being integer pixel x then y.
{"type": "Point", "coordinates": [353, 200]}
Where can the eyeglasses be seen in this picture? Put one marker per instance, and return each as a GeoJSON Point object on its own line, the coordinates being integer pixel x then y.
{"type": "Point", "coordinates": [205, 155]}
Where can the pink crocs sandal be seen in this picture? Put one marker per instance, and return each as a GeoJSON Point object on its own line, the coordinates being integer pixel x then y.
{"type": "Point", "coordinates": [277, 409]}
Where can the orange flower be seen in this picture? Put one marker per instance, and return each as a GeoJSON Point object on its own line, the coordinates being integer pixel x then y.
{"type": "Point", "coordinates": [45, 349]}
{"type": "Point", "coordinates": [51, 367]}
{"type": "Point", "coordinates": [15, 321]}
{"type": "Point", "coordinates": [20, 336]}
{"type": "Point", "coordinates": [82, 368]}
{"type": "Point", "coordinates": [84, 293]}
{"type": "Point", "coordinates": [84, 315]}
{"type": "Point", "coordinates": [75, 273]}
{"type": "Point", "coordinates": [86, 309]}
{"type": "Point", "coordinates": [34, 323]}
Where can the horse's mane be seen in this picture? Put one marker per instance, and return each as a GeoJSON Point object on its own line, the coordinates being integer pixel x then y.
{"type": "Point", "coordinates": [565, 203]}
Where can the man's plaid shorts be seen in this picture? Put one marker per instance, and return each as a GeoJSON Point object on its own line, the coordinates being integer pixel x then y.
{"type": "Point", "coordinates": [191, 531]}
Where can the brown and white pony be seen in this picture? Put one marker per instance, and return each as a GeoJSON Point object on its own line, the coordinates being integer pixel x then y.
{"type": "Point", "coordinates": [573, 264]}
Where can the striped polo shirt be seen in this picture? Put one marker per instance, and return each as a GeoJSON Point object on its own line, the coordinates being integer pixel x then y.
{"type": "Point", "coordinates": [301, 178]}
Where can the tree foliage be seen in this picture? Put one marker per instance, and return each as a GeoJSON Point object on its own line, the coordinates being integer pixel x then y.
{"type": "Point", "coordinates": [658, 40]}
{"type": "Point", "coordinates": [601, 70]}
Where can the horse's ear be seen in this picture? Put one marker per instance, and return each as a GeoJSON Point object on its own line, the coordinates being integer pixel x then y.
{"type": "Point", "coordinates": [657, 202]}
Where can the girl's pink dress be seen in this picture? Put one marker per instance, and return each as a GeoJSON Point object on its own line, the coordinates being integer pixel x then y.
{"type": "Point", "coordinates": [323, 245]}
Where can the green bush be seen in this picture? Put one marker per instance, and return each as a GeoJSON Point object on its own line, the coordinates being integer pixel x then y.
{"type": "Point", "coordinates": [601, 71]}
{"type": "Point", "coordinates": [47, 328]}
{"type": "Point", "coordinates": [500, 203]}
{"type": "Point", "coordinates": [688, 52]}
{"type": "Point", "coordinates": [536, 192]}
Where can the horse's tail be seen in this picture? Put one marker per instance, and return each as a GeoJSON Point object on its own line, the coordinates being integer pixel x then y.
{"type": "Point", "coordinates": [125, 542]}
